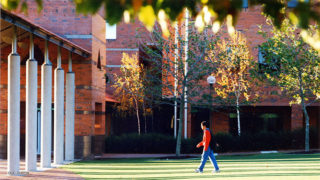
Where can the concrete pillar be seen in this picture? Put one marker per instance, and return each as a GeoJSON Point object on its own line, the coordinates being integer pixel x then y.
{"type": "Point", "coordinates": [70, 105]}
{"type": "Point", "coordinates": [58, 111]}
{"type": "Point", "coordinates": [13, 108]}
{"type": "Point", "coordinates": [46, 115]}
{"type": "Point", "coordinates": [31, 110]}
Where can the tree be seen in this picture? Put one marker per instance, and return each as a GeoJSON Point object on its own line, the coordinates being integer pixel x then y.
{"type": "Point", "coordinates": [294, 66]}
{"type": "Point", "coordinates": [171, 61]}
{"type": "Point", "coordinates": [129, 87]}
{"type": "Point", "coordinates": [206, 12]}
{"type": "Point", "coordinates": [233, 72]}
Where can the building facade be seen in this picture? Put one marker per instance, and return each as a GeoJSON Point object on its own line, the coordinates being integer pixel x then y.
{"type": "Point", "coordinates": [85, 35]}
{"type": "Point", "coordinates": [272, 113]}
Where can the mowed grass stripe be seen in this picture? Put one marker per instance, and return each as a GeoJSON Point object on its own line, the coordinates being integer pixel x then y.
{"type": "Point", "coordinates": [106, 165]}
{"type": "Point", "coordinates": [301, 168]}
{"type": "Point", "coordinates": [147, 170]}
{"type": "Point", "coordinates": [224, 173]}
{"type": "Point", "coordinates": [191, 174]}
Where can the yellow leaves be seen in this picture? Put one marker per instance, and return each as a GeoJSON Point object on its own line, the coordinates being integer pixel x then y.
{"type": "Point", "coordinates": [147, 16]}
{"type": "Point", "coordinates": [207, 15]}
{"type": "Point", "coordinates": [126, 16]}
{"type": "Point", "coordinates": [246, 95]}
{"type": "Point", "coordinates": [216, 26]}
{"type": "Point", "coordinates": [199, 23]}
{"type": "Point", "coordinates": [221, 93]}
{"type": "Point", "coordinates": [9, 4]}
{"type": "Point", "coordinates": [129, 85]}
{"type": "Point", "coordinates": [204, 1]}
{"type": "Point", "coordinates": [163, 22]}
{"type": "Point", "coordinates": [312, 39]}
{"type": "Point", "coordinates": [231, 29]}
{"type": "Point", "coordinates": [293, 17]}
{"type": "Point", "coordinates": [233, 67]}
{"type": "Point", "coordinates": [204, 18]}
{"type": "Point", "coordinates": [4, 3]}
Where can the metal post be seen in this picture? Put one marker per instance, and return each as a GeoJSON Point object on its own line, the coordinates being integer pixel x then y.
{"type": "Point", "coordinates": [186, 72]}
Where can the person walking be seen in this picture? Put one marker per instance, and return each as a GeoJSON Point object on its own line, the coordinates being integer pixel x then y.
{"type": "Point", "coordinates": [207, 143]}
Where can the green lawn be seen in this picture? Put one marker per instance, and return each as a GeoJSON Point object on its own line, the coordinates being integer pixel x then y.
{"type": "Point", "coordinates": [255, 167]}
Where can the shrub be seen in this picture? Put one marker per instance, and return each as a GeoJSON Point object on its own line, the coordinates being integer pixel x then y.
{"type": "Point", "coordinates": [134, 143]}
{"type": "Point", "coordinates": [159, 143]}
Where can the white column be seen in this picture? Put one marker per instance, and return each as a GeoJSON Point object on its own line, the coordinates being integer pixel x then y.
{"type": "Point", "coordinates": [175, 79]}
{"type": "Point", "coordinates": [14, 108]}
{"type": "Point", "coordinates": [70, 104]}
{"type": "Point", "coordinates": [46, 115]}
{"type": "Point", "coordinates": [186, 72]}
{"type": "Point", "coordinates": [31, 109]}
{"type": "Point", "coordinates": [58, 111]}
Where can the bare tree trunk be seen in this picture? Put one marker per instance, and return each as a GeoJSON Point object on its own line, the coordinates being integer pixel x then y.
{"type": "Point", "coordinates": [145, 119]}
{"type": "Point", "coordinates": [178, 145]}
{"type": "Point", "coordinates": [304, 108]}
{"type": "Point", "coordinates": [152, 122]}
{"type": "Point", "coordinates": [145, 124]}
{"type": "Point", "coordinates": [138, 118]}
{"type": "Point", "coordinates": [307, 141]}
{"type": "Point", "coordinates": [238, 116]}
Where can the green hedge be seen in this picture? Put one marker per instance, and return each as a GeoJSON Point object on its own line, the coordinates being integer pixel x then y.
{"type": "Point", "coordinates": [158, 143]}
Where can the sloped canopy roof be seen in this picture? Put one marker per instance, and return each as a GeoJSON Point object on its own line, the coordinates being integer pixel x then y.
{"type": "Point", "coordinates": [9, 19]}
{"type": "Point", "coordinates": [110, 98]}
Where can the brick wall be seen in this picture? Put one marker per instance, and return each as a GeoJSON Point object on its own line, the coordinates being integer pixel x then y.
{"type": "Point", "coordinates": [60, 17]}
{"type": "Point", "coordinates": [88, 32]}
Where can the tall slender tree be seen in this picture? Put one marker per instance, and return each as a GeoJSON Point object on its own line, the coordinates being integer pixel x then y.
{"type": "Point", "coordinates": [163, 59]}
{"type": "Point", "coordinates": [294, 66]}
{"type": "Point", "coordinates": [233, 72]}
{"type": "Point", "coordinates": [129, 87]}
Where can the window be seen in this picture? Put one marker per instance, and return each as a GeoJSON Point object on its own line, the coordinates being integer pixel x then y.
{"type": "Point", "coordinates": [294, 3]}
{"type": "Point", "coordinates": [268, 61]}
{"type": "Point", "coordinates": [99, 60]}
{"type": "Point", "coordinates": [261, 56]}
{"type": "Point", "coordinates": [111, 31]}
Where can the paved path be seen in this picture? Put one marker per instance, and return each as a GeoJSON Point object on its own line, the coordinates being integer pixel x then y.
{"type": "Point", "coordinates": [53, 173]}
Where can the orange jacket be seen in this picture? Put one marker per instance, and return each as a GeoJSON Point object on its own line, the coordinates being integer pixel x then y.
{"type": "Point", "coordinates": [205, 140]}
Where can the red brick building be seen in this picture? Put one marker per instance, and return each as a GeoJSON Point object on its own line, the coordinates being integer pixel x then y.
{"type": "Point", "coordinates": [98, 55]}
{"type": "Point", "coordinates": [283, 116]}
{"type": "Point", "coordinates": [85, 35]}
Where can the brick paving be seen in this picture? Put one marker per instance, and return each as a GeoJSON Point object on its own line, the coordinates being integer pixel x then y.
{"type": "Point", "coordinates": [52, 173]}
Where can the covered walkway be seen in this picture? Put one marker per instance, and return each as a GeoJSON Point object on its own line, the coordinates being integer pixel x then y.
{"type": "Point", "coordinates": [45, 129]}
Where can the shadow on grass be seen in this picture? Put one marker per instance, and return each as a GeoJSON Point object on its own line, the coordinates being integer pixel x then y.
{"type": "Point", "coordinates": [136, 167]}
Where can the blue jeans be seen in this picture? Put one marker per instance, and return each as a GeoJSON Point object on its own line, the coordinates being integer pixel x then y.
{"type": "Point", "coordinates": [204, 158]}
